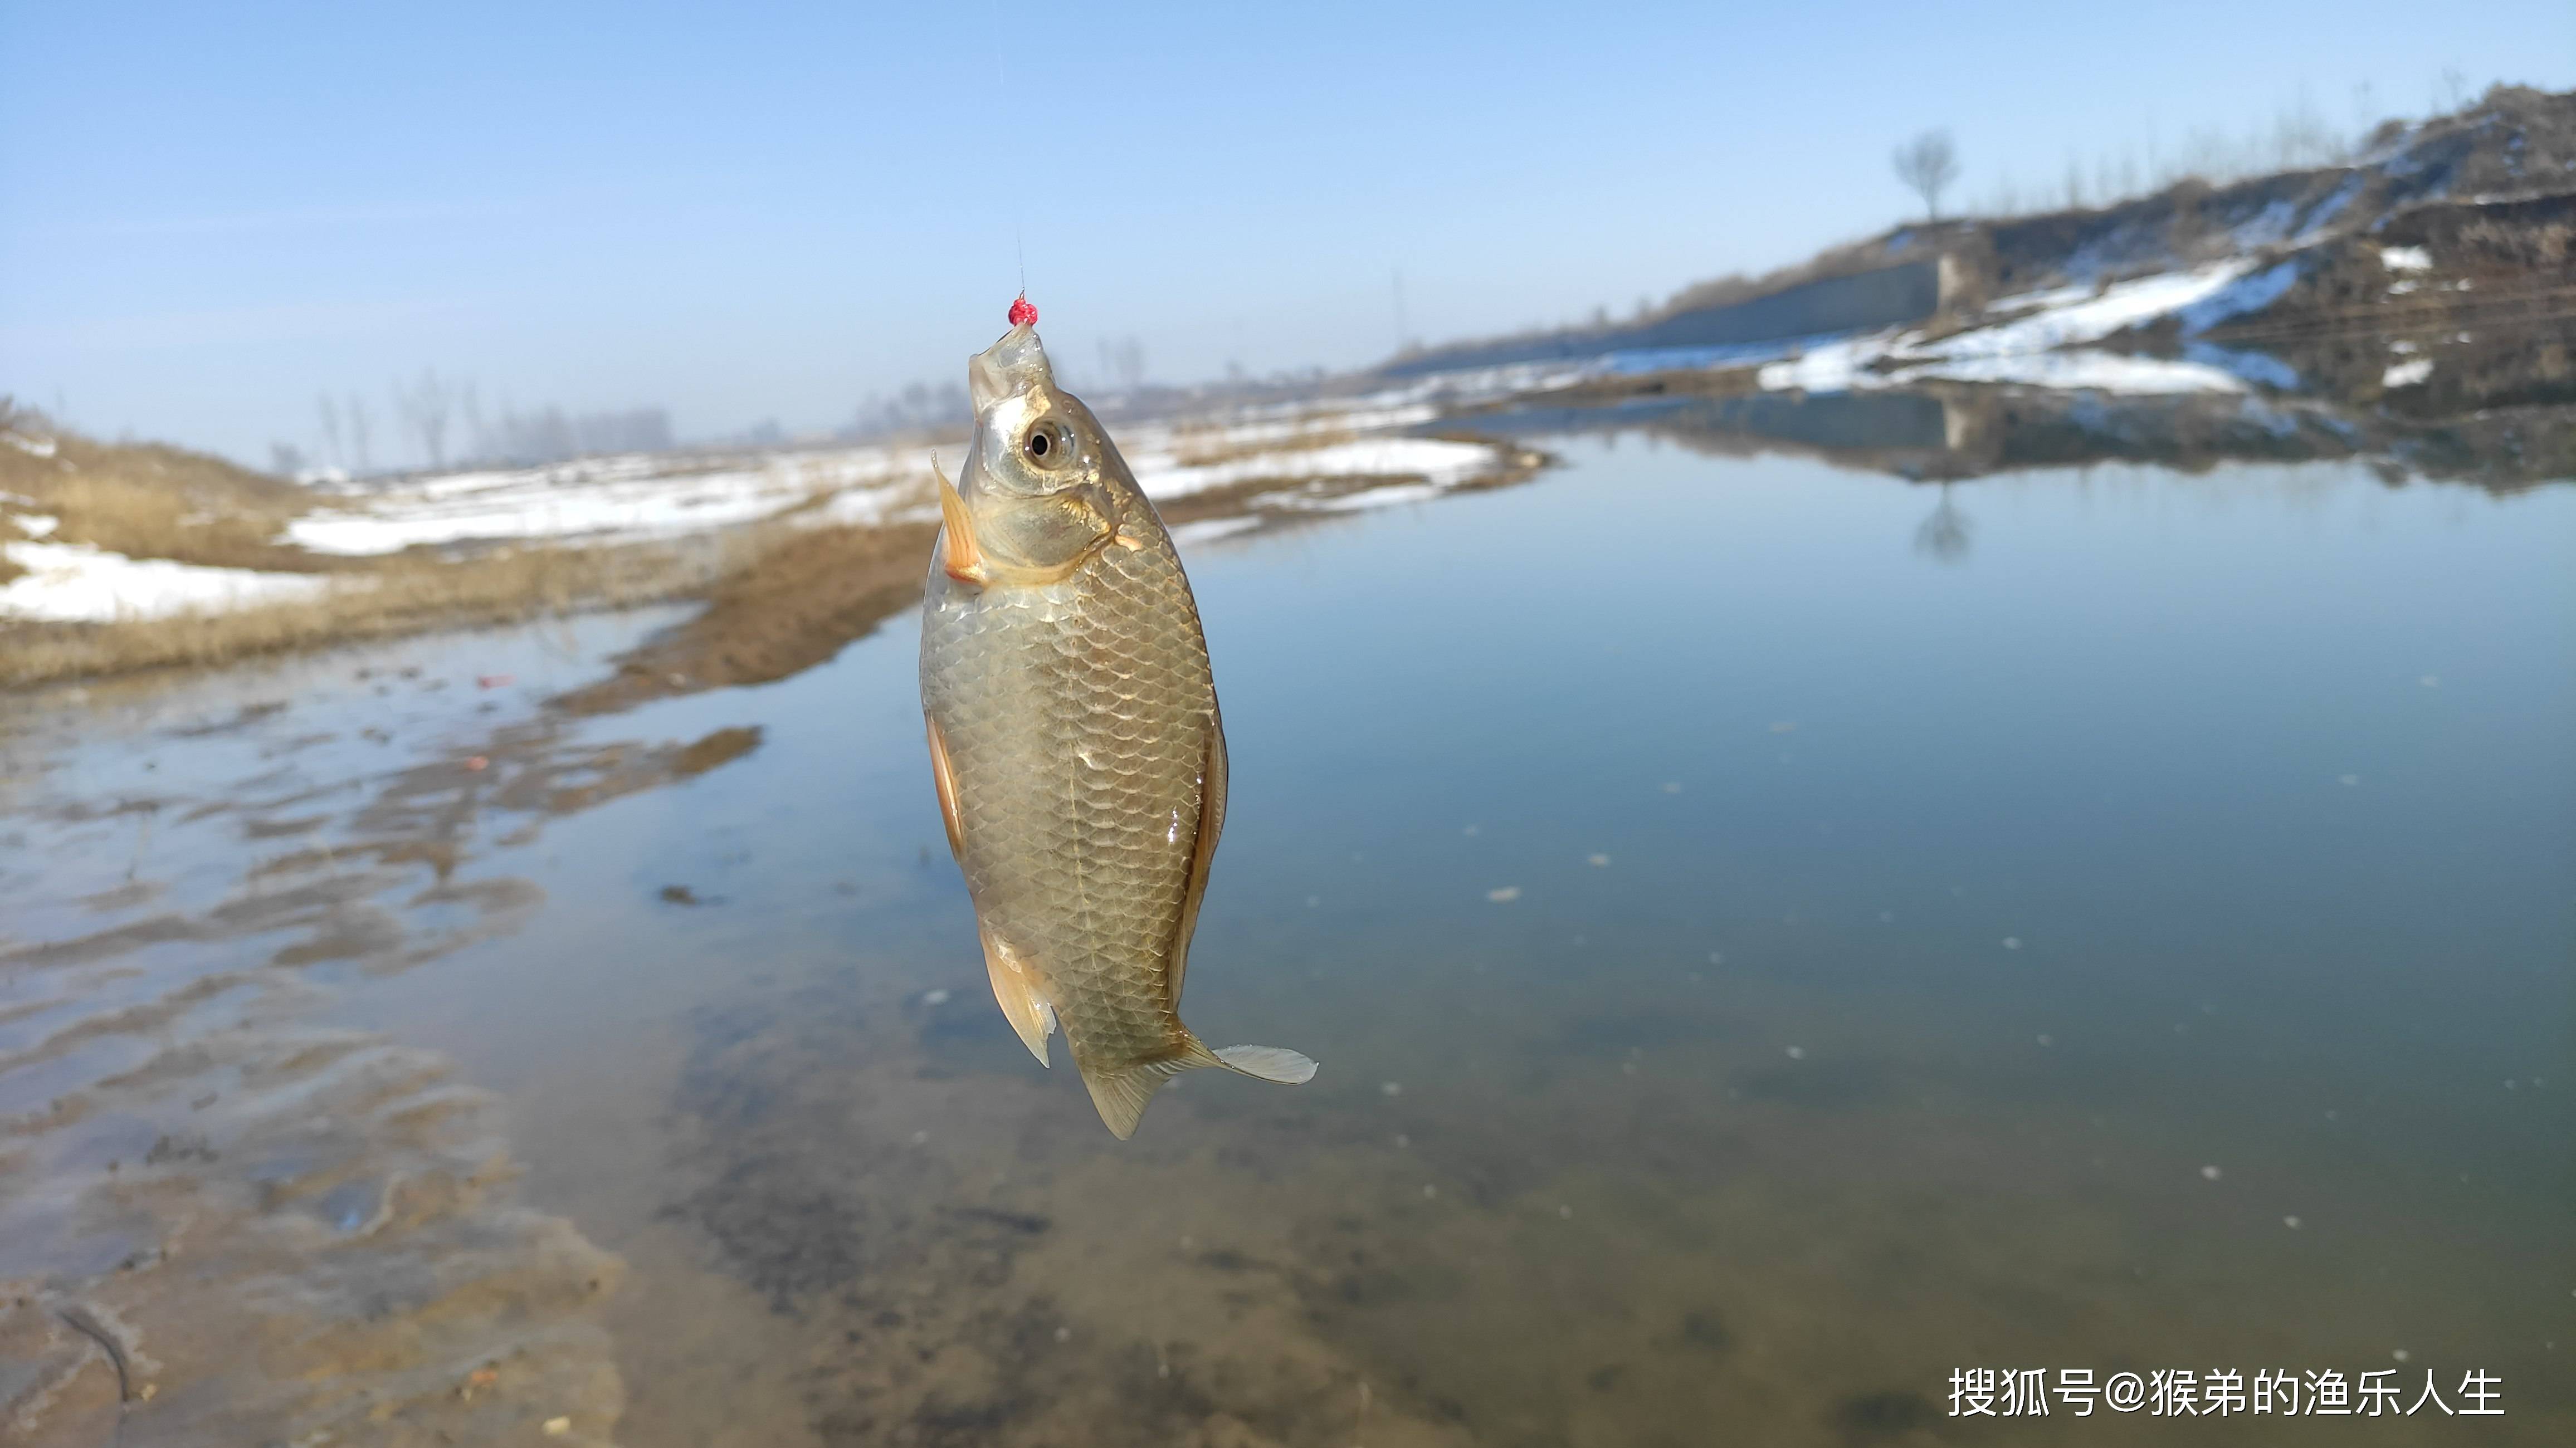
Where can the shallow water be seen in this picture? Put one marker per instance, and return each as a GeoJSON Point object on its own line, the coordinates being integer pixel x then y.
{"type": "Point", "coordinates": [2110, 919]}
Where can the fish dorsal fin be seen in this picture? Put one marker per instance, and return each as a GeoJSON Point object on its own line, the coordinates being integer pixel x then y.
{"type": "Point", "coordinates": [1212, 783]}
{"type": "Point", "coordinates": [1015, 989]}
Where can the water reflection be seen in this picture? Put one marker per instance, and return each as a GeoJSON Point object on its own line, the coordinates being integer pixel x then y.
{"type": "Point", "coordinates": [1943, 535]}
{"type": "Point", "coordinates": [1753, 977]}
{"type": "Point", "coordinates": [1963, 431]}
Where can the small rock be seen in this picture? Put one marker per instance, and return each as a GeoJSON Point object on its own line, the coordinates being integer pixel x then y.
{"type": "Point", "coordinates": [1565, 1211]}
{"type": "Point", "coordinates": [1505, 895]}
{"type": "Point", "coordinates": [1391, 1088]}
{"type": "Point", "coordinates": [2012, 942]}
{"type": "Point", "coordinates": [2209, 1173]}
{"type": "Point", "coordinates": [2399, 1353]}
{"type": "Point", "coordinates": [2290, 1222]}
{"type": "Point", "coordinates": [934, 997]}
{"type": "Point", "coordinates": [1600, 862]}
{"type": "Point", "coordinates": [2348, 779]}
{"type": "Point", "coordinates": [1429, 1191]}
{"type": "Point", "coordinates": [557, 1427]}
{"type": "Point", "coordinates": [1064, 1334]}
{"type": "Point", "coordinates": [1797, 1053]}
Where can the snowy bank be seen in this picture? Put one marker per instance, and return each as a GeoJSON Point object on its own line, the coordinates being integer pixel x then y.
{"type": "Point", "coordinates": [2042, 338]}
{"type": "Point", "coordinates": [76, 583]}
{"type": "Point", "coordinates": [606, 499]}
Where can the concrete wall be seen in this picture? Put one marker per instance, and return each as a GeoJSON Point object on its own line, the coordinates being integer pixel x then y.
{"type": "Point", "coordinates": [1864, 301]}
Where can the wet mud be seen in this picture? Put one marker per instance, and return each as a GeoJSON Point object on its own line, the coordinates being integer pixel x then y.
{"type": "Point", "coordinates": [220, 1219]}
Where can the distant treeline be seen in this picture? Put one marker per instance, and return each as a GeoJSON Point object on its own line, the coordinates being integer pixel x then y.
{"type": "Point", "coordinates": [435, 411]}
{"type": "Point", "coordinates": [553, 434]}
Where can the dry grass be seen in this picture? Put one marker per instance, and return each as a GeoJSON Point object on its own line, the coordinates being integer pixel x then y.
{"type": "Point", "coordinates": [152, 501]}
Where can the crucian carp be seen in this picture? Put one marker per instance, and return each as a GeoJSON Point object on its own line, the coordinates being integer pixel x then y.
{"type": "Point", "coordinates": [1074, 736]}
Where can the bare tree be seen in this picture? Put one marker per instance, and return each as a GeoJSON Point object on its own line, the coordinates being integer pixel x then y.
{"type": "Point", "coordinates": [359, 427]}
{"type": "Point", "coordinates": [469, 409]}
{"type": "Point", "coordinates": [331, 445]}
{"type": "Point", "coordinates": [424, 407]}
{"type": "Point", "coordinates": [1123, 358]}
{"type": "Point", "coordinates": [1944, 536]}
{"type": "Point", "coordinates": [1927, 165]}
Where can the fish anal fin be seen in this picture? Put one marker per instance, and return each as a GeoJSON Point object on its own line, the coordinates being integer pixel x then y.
{"type": "Point", "coordinates": [1212, 785]}
{"type": "Point", "coordinates": [1015, 990]}
{"type": "Point", "coordinates": [959, 554]}
{"type": "Point", "coordinates": [1121, 1093]}
{"type": "Point", "coordinates": [944, 779]}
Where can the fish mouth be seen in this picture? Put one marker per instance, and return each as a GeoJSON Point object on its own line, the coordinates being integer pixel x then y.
{"type": "Point", "coordinates": [1016, 363]}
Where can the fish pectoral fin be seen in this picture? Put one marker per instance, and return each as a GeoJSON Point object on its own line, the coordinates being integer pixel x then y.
{"type": "Point", "coordinates": [1270, 1063]}
{"type": "Point", "coordinates": [944, 779]}
{"type": "Point", "coordinates": [1016, 992]}
{"type": "Point", "coordinates": [959, 554]}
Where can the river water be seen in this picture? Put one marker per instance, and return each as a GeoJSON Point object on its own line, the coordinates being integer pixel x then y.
{"type": "Point", "coordinates": [1777, 936]}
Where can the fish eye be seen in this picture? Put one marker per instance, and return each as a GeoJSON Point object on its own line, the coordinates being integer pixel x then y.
{"type": "Point", "coordinates": [1047, 446]}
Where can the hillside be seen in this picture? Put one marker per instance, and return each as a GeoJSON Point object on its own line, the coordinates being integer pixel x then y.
{"type": "Point", "coordinates": [2473, 207]}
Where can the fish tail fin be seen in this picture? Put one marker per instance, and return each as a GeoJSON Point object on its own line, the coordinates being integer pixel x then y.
{"type": "Point", "coordinates": [1269, 1063]}
{"type": "Point", "coordinates": [1121, 1092]}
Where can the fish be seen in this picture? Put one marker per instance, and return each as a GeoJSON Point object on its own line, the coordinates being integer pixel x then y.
{"type": "Point", "coordinates": [1075, 743]}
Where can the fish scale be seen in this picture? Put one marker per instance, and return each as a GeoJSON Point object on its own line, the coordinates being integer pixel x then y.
{"type": "Point", "coordinates": [1074, 724]}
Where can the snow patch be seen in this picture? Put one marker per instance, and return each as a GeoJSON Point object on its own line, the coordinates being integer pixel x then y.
{"type": "Point", "coordinates": [2405, 258]}
{"type": "Point", "coordinates": [2267, 226]}
{"type": "Point", "coordinates": [610, 499]}
{"type": "Point", "coordinates": [2257, 367]}
{"type": "Point", "coordinates": [2407, 374]}
{"type": "Point", "coordinates": [43, 447]}
{"type": "Point", "coordinates": [2245, 294]}
{"type": "Point", "coordinates": [2118, 307]}
{"type": "Point", "coordinates": [1208, 530]}
{"type": "Point", "coordinates": [2043, 342]}
{"type": "Point", "coordinates": [1387, 496]}
{"type": "Point", "coordinates": [2085, 369]}
{"type": "Point", "coordinates": [76, 583]}
{"type": "Point", "coordinates": [1439, 462]}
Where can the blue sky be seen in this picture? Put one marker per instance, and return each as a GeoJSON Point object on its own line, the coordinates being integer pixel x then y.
{"type": "Point", "coordinates": [208, 213]}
